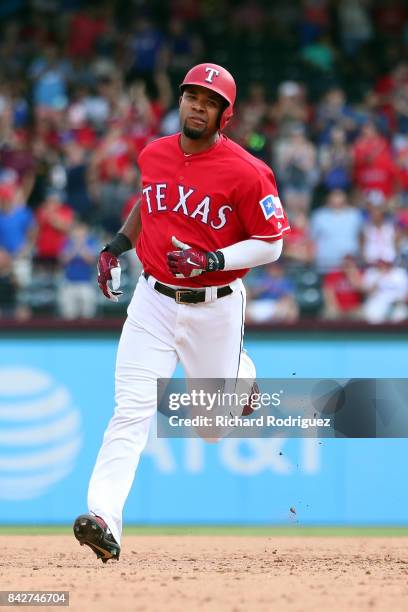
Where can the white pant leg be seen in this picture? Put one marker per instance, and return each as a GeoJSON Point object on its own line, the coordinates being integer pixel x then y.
{"type": "Point", "coordinates": [142, 358]}
{"type": "Point", "coordinates": [209, 336]}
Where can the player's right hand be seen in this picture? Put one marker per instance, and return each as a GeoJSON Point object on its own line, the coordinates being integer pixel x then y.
{"type": "Point", "coordinates": [109, 271]}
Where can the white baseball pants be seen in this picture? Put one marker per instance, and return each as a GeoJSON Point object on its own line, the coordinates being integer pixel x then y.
{"type": "Point", "coordinates": [206, 338]}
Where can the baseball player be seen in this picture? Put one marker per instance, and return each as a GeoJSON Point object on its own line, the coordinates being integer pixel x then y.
{"type": "Point", "coordinates": [209, 211]}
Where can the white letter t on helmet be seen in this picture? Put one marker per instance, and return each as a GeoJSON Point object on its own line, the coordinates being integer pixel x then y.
{"type": "Point", "coordinates": [211, 72]}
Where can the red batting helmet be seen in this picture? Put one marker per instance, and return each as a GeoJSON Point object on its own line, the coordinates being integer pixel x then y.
{"type": "Point", "coordinates": [217, 79]}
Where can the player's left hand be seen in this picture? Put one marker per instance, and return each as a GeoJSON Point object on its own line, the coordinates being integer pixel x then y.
{"type": "Point", "coordinates": [187, 262]}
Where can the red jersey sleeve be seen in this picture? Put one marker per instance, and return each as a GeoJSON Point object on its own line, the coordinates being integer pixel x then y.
{"type": "Point", "coordinates": [259, 207]}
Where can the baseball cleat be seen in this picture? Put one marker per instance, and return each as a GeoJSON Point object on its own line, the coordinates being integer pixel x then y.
{"type": "Point", "coordinates": [94, 532]}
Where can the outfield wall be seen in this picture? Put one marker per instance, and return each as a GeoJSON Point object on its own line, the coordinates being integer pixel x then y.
{"type": "Point", "coordinates": [56, 398]}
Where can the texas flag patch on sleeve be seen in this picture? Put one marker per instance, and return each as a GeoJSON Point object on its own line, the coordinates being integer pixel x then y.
{"type": "Point", "coordinates": [271, 207]}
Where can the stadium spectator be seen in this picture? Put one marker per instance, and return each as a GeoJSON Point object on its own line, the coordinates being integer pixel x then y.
{"type": "Point", "coordinates": [254, 107]}
{"type": "Point", "coordinates": [8, 286]}
{"type": "Point", "coordinates": [147, 50]}
{"type": "Point", "coordinates": [50, 74]}
{"type": "Point", "coordinates": [386, 289]}
{"type": "Point", "coordinates": [77, 292]}
{"type": "Point", "coordinates": [54, 220]}
{"type": "Point", "coordinates": [90, 110]}
{"type": "Point", "coordinates": [320, 54]}
{"type": "Point", "coordinates": [183, 49]}
{"type": "Point", "coordinates": [189, 11]}
{"type": "Point", "coordinates": [44, 158]}
{"type": "Point", "coordinates": [17, 224]}
{"type": "Point", "coordinates": [290, 106]}
{"type": "Point", "coordinates": [81, 128]}
{"type": "Point", "coordinates": [400, 103]}
{"type": "Point", "coordinates": [248, 125]}
{"type": "Point", "coordinates": [249, 16]}
{"type": "Point", "coordinates": [170, 122]}
{"type": "Point", "coordinates": [335, 161]}
{"type": "Point", "coordinates": [142, 116]}
{"type": "Point", "coordinates": [315, 19]}
{"type": "Point", "coordinates": [12, 53]}
{"type": "Point", "coordinates": [355, 24]}
{"type": "Point", "coordinates": [116, 183]}
{"type": "Point", "coordinates": [295, 166]}
{"type": "Point", "coordinates": [335, 228]}
{"type": "Point", "coordinates": [271, 296]}
{"type": "Point", "coordinates": [17, 232]}
{"type": "Point", "coordinates": [299, 248]}
{"type": "Point", "coordinates": [400, 153]}
{"type": "Point", "coordinates": [386, 88]}
{"type": "Point", "coordinates": [85, 28]}
{"type": "Point", "coordinates": [16, 157]}
{"type": "Point", "coordinates": [378, 237]}
{"type": "Point", "coordinates": [402, 238]}
{"type": "Point", "coordinates": [390, 17]}
{"type": "Point", "coordinates": [373, 166]}
{"type": "Point", "coordinates": [341, 291]}
{"type": "Point", "coordinates": [110, 173]}
{"type": "Point", "coordinates": [334, 111]}
{"type": "Point", "coordinates": [77, 190]}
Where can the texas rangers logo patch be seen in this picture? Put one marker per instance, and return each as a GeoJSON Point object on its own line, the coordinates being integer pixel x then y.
{"type": "Point", "coordinates": [271, 207]}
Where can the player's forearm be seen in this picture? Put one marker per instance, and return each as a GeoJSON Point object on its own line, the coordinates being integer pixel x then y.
{"type": "Point", "coordinates": [251, 253]}
{"type": "Point", "coordinates": [133, 224]}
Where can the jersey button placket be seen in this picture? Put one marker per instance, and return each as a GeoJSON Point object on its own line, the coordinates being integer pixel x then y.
{"type": "Point", "coordinates": [185, 164]}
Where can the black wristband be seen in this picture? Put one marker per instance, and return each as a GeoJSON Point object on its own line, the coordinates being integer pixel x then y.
{"type": "Point", "coordinates": [215, 261]}
{"type": "Point", "coordinates": [118, 245]}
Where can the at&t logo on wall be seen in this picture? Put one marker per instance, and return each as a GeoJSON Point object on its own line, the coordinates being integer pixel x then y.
{"type": "Point", "coordinates": [40, 434]}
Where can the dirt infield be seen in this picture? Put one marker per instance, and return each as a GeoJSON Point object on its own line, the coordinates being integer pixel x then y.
{"type": "Point", "coordinates": [214, 573]}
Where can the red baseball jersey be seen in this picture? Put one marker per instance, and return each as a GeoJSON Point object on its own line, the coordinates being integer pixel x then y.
{"type": "Point", "coordinates": [208, 200]}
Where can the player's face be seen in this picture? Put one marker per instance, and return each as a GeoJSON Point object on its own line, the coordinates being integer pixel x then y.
{"type": "Point", "coordinates": [200, 110]}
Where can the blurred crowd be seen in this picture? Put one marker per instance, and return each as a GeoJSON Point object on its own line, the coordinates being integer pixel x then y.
{"type": "Point", "coordinates": [322, 98]}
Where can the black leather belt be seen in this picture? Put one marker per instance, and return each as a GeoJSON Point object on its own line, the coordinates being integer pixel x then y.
{"type": "Point", "coordinates": [186, 296]}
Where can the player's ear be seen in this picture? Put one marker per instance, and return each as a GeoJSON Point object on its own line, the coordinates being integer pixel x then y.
{"type": "Point", "coordinates": [180, 99]}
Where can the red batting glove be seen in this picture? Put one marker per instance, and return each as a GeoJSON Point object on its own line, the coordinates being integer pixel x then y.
{"type": "Point", "coordinates": [190, 262]}
{"type": "Point", "coordinates": [186, 262]}
{"type": "Point", "coordinates": [109, 270]}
